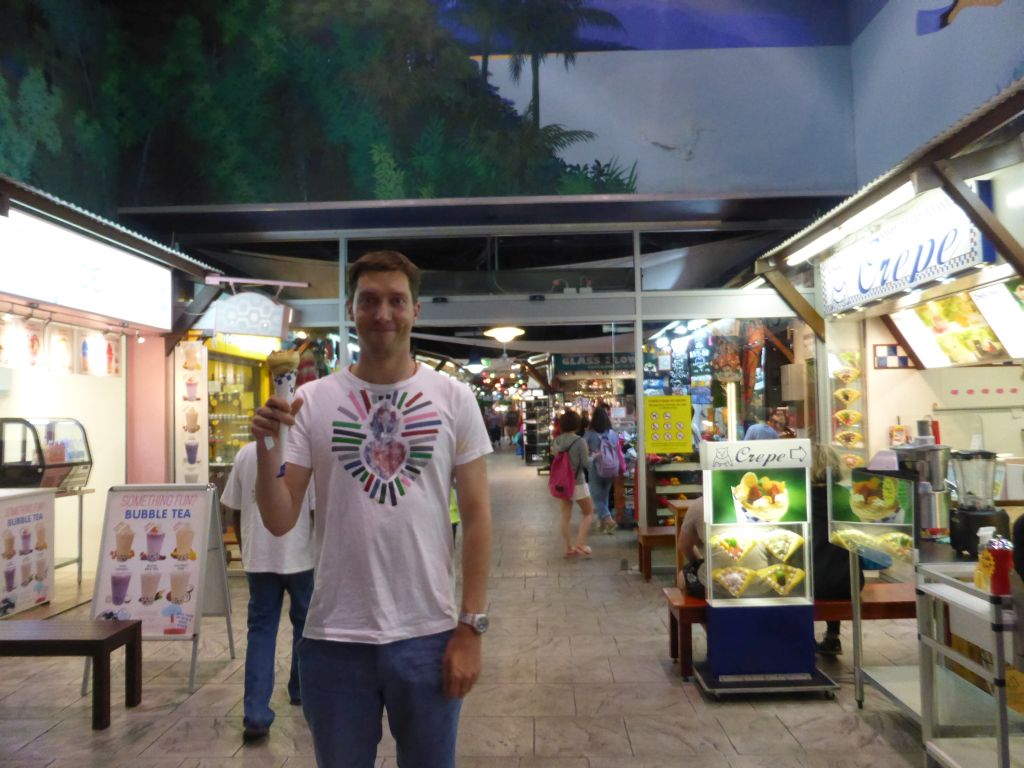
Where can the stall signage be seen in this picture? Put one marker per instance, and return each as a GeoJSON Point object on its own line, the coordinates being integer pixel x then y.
{"type": "Point", "coordinates": [620, 361]}
{"type": "Point", "coordinates": [755, 454]}
{"type": "Point", "coordinates": [936, 239]}
{"type": "Point", "coordinates": [52, 264]}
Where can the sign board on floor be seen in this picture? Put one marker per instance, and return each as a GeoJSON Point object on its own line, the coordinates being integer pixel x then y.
{"type": "Point", "coordinates": [26, 548]}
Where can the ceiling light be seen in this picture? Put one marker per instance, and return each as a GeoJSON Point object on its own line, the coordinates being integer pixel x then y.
{"type": "Point", "coordinates": [757, 282]}
{"type": "Point", "coordinates": [504, 333]}
{"type": "Point", "coordinates": [140, 338]}
{"type": "Point", "coordinates": [888, 204]}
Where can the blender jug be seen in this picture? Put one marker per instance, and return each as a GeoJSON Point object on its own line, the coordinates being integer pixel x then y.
{"type": "Point", "coordinates": [975, 475]}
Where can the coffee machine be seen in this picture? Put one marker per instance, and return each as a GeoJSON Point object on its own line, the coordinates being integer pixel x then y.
{"type": "Point", "coordinates": [928, 463]}
{"type": "Point", "coordinates": [975, 473]}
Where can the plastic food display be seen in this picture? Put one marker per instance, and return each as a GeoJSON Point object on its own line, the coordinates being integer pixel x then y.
{"type": "Point", "coordinates": [848, 408]}
{"type": "Point", "coordinates": [44, 453]}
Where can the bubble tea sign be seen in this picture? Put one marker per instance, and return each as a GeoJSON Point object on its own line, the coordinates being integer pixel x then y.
{"type": "Point", "coordinates": [151, 560]}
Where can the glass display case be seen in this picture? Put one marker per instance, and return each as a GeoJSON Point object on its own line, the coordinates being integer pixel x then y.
{"type": "Point", "coordinates": [44, 453]}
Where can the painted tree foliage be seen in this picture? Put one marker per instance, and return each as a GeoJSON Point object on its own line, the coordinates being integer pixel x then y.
{"type": "Point", "coordinates": [171, 102]}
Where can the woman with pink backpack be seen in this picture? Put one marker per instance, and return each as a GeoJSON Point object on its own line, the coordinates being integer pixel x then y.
{"type": "Point", "coordinates": [568, 483]}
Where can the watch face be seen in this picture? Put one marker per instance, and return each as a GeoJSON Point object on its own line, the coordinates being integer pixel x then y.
{"type": "Point", "coordinates": [481, 624]}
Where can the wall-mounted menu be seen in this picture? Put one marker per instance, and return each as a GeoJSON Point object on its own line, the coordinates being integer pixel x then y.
{"type": "Point", "coordinates": [1002, 305]}
{"type": "Point", "coordinates": [847, 408]}
{"type": "Point", "coordinates": [949, 331]}
{"type": "Point", "coordinates": [191, 411]}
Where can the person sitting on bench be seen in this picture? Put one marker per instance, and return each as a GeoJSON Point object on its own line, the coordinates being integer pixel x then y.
{"type": "Point", "coordinates": [691, 546]}
{"type": "Point", "coordinates": [831, 563]}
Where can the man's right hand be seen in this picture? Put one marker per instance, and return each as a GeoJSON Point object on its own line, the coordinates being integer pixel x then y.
{"type": "Point", "coordinates": [267, 420]}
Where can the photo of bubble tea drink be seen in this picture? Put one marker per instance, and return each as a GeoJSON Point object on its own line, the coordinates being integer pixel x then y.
{"type": "Point", "coordinates": [41, 568]}
{"type": "Point", "coordinates": [191, 357]}
{"type": "Point", "coordinates": [191, 388]}
{"type": "Point", "coordinates": [119, 586]}
{"type": "Point", "coordinates": [150, 581]}
{"type": "Point", "coordinates": [26, 573]}
{"type": "Point", "coordinates": [124, 537]}
{"type": "Point", "coordinates": [26, 541]}
{"type": "Point", "coordinates": [8, 544]}
{"type": "Point", "coordinates": [154, 541]}
{"type": "Point", "coordinates": [192, 477]}
{"type": "Point", "coordinates": [9, 574]}
{"type": "Point", "coordinates": [41, 543]}
{"type": "Point", "coordinates": [183, 535]}
{"type": "Point", "coordinates": [192, 450]}
{"type": "Point", "coordinates": [191, 419]}
{"type": "Point", "coordinates": [179, 587]}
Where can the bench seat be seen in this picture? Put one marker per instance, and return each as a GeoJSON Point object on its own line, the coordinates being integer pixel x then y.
{"type": "Point", "coordinates": [879, 600]}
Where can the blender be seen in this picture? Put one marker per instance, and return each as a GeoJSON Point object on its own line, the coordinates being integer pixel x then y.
{"type": "Point", "coordinates": [975, 474]}
{"type": "Point", "coordinates": [928, 463]}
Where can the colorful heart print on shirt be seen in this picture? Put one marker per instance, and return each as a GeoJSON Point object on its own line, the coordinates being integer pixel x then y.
{"type": "Point", "coordinates": [386, 441]}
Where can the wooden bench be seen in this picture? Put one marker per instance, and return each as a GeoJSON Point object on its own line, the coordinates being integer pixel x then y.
{"type": "Point", "coordinates": [656, 537]}
{"type": "Point", "coordinates": [95, 639]}
{"type": "Point", "coordinates": [881, 600]}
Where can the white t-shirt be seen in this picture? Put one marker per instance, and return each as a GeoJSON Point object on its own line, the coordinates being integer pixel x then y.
{"type": "Point", "coordinates": [382, 457]}
{"type": "Point", "coordinates": [262, 551]}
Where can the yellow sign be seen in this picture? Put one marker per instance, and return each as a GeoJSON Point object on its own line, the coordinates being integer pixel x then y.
{"type": "Point", "coordinates": [669, 423]}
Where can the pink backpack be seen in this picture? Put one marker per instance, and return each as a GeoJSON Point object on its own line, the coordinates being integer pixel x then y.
{"type": "Point", "coordinates": [562, 478]}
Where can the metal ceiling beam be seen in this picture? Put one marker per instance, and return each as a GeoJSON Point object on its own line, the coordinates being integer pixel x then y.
{"type": "Point", "coordinates": [793, 298]}
{"type": "Point", "coordinates": [189, 315]}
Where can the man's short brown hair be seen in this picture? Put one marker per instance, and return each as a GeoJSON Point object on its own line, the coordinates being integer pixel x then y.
{"type": "Point", "coordinates": [382, 261]}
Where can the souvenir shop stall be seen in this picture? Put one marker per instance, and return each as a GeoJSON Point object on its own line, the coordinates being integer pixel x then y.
{"type": "Point", "coordinates": [706, 380]}
{"type": "Point", "coordinates": [922, 304]}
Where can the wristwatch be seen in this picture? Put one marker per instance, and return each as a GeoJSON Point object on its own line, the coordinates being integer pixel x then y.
{"type": "Point", "coordinates": [477, 621]}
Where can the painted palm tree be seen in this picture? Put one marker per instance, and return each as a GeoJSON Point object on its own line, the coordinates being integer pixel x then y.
{"type": "Point", "coordinates": [542, 28]}
{"type": "Point", "coordinates": [487, 19]}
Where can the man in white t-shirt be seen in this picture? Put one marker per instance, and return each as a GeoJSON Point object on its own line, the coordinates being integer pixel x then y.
{"type": "Point", "coordinates": [272, 566]}
{"type": "Point", "coordinates": [381, 440]}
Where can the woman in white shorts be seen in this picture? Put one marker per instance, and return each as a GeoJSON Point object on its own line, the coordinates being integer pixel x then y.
{"type": "Point", "coordinates": [579, 455]}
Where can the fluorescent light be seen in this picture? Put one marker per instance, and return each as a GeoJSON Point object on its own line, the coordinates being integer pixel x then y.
{"type": "Point", "coordinates": [504, 333]}
{"type": "Point", "coordinates": [757, 282]}
{"type": "Point", "coordinates": [1016, 198]}
{"type": "Point", "coordinates": [888, 204]}
{"type": "Point", "coordinates": [695, 324]}
{"type": "Point", "coordinates": [664, 330]}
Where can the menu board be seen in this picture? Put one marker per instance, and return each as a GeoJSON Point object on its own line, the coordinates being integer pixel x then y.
{"type": "Point", "coordinates": [152, 558]}
{"type": "Point", "coordinates": [26, 521]}
{"type": "Point", "coordinates": [949, 331]}
{"type": "Point", "coordinates": [1002, 305]}
{"type": "Point", "coordinates": [757, 518]}
{"type": "Point", "coordinates": [873, 515]}
{"type": "Point", "coordinates": [191, 413]}
{"type": "Point", "coordinates": [669, 420]}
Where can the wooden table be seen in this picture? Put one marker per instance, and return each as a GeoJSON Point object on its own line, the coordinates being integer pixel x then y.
{"type": "Point", "coordinates": [95, 639]}
{"type": "Point", "coordinates": [656, 537]}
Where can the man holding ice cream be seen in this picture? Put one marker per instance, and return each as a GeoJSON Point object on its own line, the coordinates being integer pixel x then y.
{"type": "Point", "coordinates": [381, 441]}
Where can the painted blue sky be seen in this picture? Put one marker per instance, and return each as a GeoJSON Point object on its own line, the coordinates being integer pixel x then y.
{"type": "Point", "coordinates": [690, 24]}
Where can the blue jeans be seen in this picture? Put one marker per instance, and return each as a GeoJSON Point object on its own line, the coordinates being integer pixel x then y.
{"type": "Point", "coordinates": [347, 686]}
{"type": "Point", "coordinates": [266, 595]}
{"type": "Point", "coordinates": [600, 487]}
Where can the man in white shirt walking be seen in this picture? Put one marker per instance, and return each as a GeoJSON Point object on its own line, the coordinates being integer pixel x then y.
{"type": "Point", "coordinates": [272, 566]}
{"type": "Point", "coordinates": [381, 441]}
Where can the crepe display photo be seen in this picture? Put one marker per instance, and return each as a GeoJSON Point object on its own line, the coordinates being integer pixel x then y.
{"type": "Point", "coordinates": [847, 375]}
{"type": "Point", "coordinates": [782, 578]}
{"type": "Point", "coordinates": [782, 543]}
{"type": "Point", "coordinates": [760, 499]}
{"type": "Point", "coordinates": [734, 580]}
{"type": "Point", "coordinates": [875, 500]}
{"type": "Point", "coordinates": [852, 460]}
{"type": "Point", "coordinates": [734, 545]}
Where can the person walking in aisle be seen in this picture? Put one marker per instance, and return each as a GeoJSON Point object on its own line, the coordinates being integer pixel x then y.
{"type": "Point", "coordinates": [600, 482]}
{"type": "Point", "coordinates": [579, 456]}
{"type": "Point", "coordinates": [759, 429]}
{"type": "Point", "coordinates": [272, 567]}
{"type": "Point", "coordinates": [381, 440]}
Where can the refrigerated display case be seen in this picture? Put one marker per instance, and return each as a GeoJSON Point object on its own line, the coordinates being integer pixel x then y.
{"type": "Point", "coordinates": [235, 390]}
{"type": "Point", "coordinates": [44, 453]}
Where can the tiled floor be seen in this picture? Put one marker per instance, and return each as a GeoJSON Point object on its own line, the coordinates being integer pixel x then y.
{"type": "Point", "coordinates": [576, 675]}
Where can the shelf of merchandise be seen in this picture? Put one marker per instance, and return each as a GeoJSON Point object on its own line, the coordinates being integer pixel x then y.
{"type": "Point", "coordinates": [537, 433]}
{"type": "Point", "coordinates": [683, 470]}
{"type": "Point", "coordinates": [960, 734]}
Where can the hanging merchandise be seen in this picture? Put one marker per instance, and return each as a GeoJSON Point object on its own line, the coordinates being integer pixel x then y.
{"type": "Point", "coordinates": [753, 346]}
